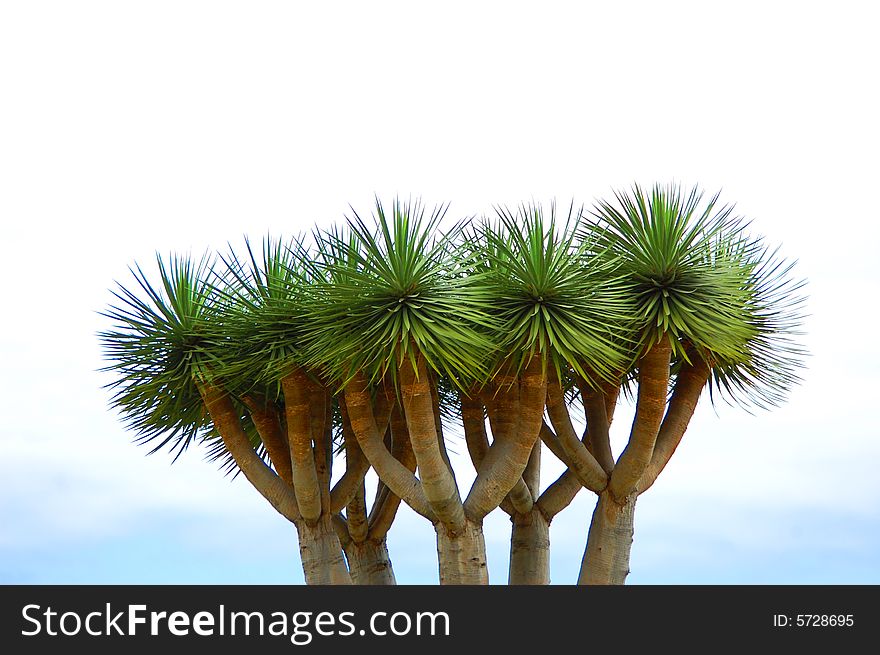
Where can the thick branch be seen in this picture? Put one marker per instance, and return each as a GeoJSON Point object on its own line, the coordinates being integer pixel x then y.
{"type": "Point", "coordinates": [228, 424]}
{"type": "Point", "coordinates": [363, 423]}
{"type": "Point", "coordinates": [299, 435]}
{"type": "Point", "coordinates": [549, 438]}
{"type": "Point", "coordinates": [559, 495]}
{"type": "Point", "coordinates": [532, 475]}
{"type": "Point", "coordinates": [356, 463]}
{"type": "Point", "coordinates": [595, 408]}
{"type": "Point", "coordinates": [321, 417]}
{"type": "Point", "coordinates": [266, 419]}
{"type": "Point", "coordinates": [436, 477]}
{"type": "Point", "coordinates": [650, 405]}
{"type": "Point", "coordinates": [474, 424]}
{"type": "Point", "coordinates": [477, 440]}
{"type": "Point", "coordinates": [356, 515]}
{"type": "Point", "coordinates": [438, 425]}
{"type": "Point", "coordinates": [580, 461]}
{"type": "Point", "coordinates": [611, 392]}
{"type": "Point", "coordinates": [382, 515]}
{"type": "Point", "coordinates": [689, 385]}
{"type": "Point", "coordinates": [503, 466]}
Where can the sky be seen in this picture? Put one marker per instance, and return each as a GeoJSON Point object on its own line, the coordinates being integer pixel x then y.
{"type": "Point", "coordinates": [128, 129]}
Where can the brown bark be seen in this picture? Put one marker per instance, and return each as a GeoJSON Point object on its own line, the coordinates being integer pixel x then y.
{"type": "Point", "coordinates": [462, 554]}
{"type": "Point", "coordinates": [580, 461]}
{"type": "Point", "coordinates": [321, 421]}
{"type": "Point", "coordinates": [606, 558]}
{"type": "Point", "coordinates": [610, 392]}
{"type": "Point", "coordinates": [363, 423]}
{"type": "Point", "coordinates": [650, 406]}
{"type": "Point", "coordinates": [597, 426]}
{"type": "Point", "coordinates": [501, 470]}
{"type": "Point", "coordinates": [268, 423]}
{"type": "Point", "coordinates": [436, 477]}
{"type": "Point", "coordinates": [299, 436]}
{"type": "Point", "coordinates": [369, 563]}
{"type": "Point", "coordinates": [530, 549]}
{"type": "Point", "coordinates": [228, 423]}
{"type": "Point", "coordinates": [321, 553]}
{"type": "Point", "coordinates": [689, 384]}
{"type": "Point", "coordinates": [356, 516]}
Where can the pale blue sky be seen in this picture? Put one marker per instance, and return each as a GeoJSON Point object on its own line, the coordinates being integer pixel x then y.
{"type": "Point", "coordinates": [127, 128]}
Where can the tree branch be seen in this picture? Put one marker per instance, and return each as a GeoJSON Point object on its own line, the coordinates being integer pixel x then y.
{"type": "Point", "coordinates": [382, 515]}
{"type": "Point", "coordinates": [299, 435]}
{"type": "Point", "coordinates": [363, 423]}
{"type": "Point", "coordinates": [580, 461]}
{"type": "Point", "coordinates": [265, 416]}
{"type": "Point", "coordinates": [689, 384]}
{"type": "Point", "coordinates": [503, 466]}
{"type": "Point", "coordinates": [650, 405]}
{"type": "Point", "coordinates": [356, 463]}
{"type": "Point", "coordinates": [595, 407]}
{"type": "Point", "coordinates": [474, 422]}
{"type": "Point", "coordinates": [228, 423]}
{"type": "Point", "coordinates": [559, 495]}
{"type": "Point", "coordinates": [436, 478]}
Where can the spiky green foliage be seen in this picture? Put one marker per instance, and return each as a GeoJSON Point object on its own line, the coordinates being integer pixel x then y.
{"type": "Point", "coordinates": [773, 303]}
{"type": "Point", "coordinates": [260, 309]}
{"type": "Point", "coordinates": [392, 289]}
{"type": "Point", "coordinates": [551, 294]}
{"type": "Point", "coordinates": [158, 345]}
{"type": "Point", "coordinates": [164, 339]}
{"type": "Point", "coordinates": [696, 276]}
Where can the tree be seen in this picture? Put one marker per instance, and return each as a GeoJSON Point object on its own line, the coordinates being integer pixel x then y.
{"type": "Point", "coordinates": [189, 369]}
{"type": "Point", "coordinates": [710, 304]}
{"type": "Point", "coordinates": [372, 340]}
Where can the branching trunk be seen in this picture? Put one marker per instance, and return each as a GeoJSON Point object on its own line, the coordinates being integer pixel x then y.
{"type": "Point", "coordinates": [606, 558]}
{"type": "Point", "coordinates": [530, 549]}
{"type": "Point", "coordinates": [462, 554]}
{"type": "Point", "coordinates": [398, 478]}
{"type": "Point", "coordinates": [595, 408]}
{"type": "Point", "coordinates": [321, 553]}
{"type": "Point", "coordinates": [501, 470]}
{"type": "Point", "coordinates": [369, 563]}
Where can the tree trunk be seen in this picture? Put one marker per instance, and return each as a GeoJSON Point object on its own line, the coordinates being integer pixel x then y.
{"type": "Point", "coordinates": [369, 563]}
{"type": "Point", "coordinates": [530, 549]}
{"type": "Point", "coordinates": [321, 554]}
{"type": "Point", "coordinates": [606, 559]}
{"type": "Point", "coordinates": [462, 555]}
